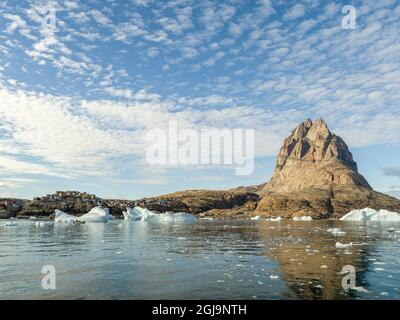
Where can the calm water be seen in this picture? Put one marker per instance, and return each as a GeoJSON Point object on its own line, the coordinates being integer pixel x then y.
{"type": "Point", "coordinates": [203, 260]}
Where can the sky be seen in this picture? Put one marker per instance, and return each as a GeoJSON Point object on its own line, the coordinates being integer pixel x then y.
{"type": "Point", "coordinates": [77, 98]}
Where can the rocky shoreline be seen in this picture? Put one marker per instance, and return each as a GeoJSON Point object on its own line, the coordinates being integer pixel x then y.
{"type": "Point", "coordinates": [315, 176]}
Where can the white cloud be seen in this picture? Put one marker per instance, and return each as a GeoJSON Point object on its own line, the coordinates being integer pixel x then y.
{"type": "Point", "coordinates": [295, 12]}
{"type": "Point", "coordinates": [99, 17]}
{"type": "Point", "coordinates": [17, 24]}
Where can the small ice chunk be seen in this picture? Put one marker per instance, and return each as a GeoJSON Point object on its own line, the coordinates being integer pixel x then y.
{"type": "Point", "coordinates": [340, 245]}
{"type": "Point", "coordinates": [275, 219]}
{"type": "Point", "coordinates": [379, 269]}
{"type": "Point", "coordinates": [256, 218]}
{"type": "Point", "coordinates": [273, 276]}
{"type": "Point", "coordinates": [33, 218]}
{"type": "Point", "coordinates": [304, 218]}
{"type": "Point", "coordinates": [41, 224]}
{"type": "Point", "coordinates": [360, 289]}
{"type": "Point", "coordinates": [11, 224]}
{"type": "Point", "coordinates": [336, 231]}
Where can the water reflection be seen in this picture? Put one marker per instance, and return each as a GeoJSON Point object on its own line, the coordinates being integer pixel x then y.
{"type": "Point", "coordinates": [204, 260]}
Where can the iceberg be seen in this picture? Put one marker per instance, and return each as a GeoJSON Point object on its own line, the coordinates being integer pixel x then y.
{"type": "Point", "coordinates": [305, 218]}
{"type": "Point", "coordinates": [145, 215]}
{"type": "Point", "coordinates": [177, 217]}
{"type": "Point", "coordinates": [61, 216]}
{"type": "Point", "coordinates": [97, 214]}
{"type": "Point", "coordinates": [368, 214]}
{"type": "Point", "coordinates": [137, 214]}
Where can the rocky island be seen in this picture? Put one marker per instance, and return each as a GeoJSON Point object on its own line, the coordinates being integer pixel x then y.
{"type": "Point", "coordinates": [315, 176]}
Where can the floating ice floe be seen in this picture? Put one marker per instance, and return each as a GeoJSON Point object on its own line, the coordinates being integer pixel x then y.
{"type": "Point", "coordinates": [275, 219]}
{"type": "Point", "coordinates": [177, 217]}
{"type": "Point", "coordinates": [97, 214]}
{"type": "Point", "coordinates": [136, 214]}
{"type": "Point", "coordinates": [145, 215]}
{"type": "Point", "coordinates": [41, 224]}
{"type": "Point", "coordinates": [11, 224]}
{"type": "Point", "coordinates": [61, 216]}
{"type": "Point", "coordinates": [368, 214]}
{"type": "Point", "coordinates": [340, 245]}
{"type": "Point", "coordinates": [33, 218]}
{"type": "Point", "coordinates": [305, 218]}
{"type": "Point", "coordinates": [336, 231]}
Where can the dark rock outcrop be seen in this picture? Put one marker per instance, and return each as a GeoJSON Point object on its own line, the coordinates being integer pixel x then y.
{"type": "Point", "coordinates": [199, 201]}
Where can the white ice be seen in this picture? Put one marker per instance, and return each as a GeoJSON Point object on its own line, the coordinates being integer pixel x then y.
{"type": "Point", "coordinates": [97, 214]}
{"type": "Point", "coordinates": [61, 216]}
{"type": "Point", "coordinates": [305, 218]}
{"type": "Point", "coordinates": [11, 224]}
{"type": "Point", "coordinates": [368, 214]}
{"type": "Point", "coordinates": [145, 215]}
{"type": "Point", "coordinates": [340, 245]}
{"type": "Point", "coordinates": [136, 214]}
{"type": "Point", "coordinates": [336, 231]}
{"type": "Point", "coordinates": [275, 219]}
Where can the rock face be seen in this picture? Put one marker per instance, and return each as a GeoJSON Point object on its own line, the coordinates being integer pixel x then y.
{"type": "Point", "coordinates": [199, 201]}
{"type": "Point", "coordinates": [313, 157]}
{"type": "Point", "coordinates": [67, 201]}
{"type": "Point", "coordinates": [10, 207]}
{"type": "Point", "coordinates": [316, 175]}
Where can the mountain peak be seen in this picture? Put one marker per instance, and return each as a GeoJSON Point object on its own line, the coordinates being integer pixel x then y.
{"type": "Point", "coordinates": [313, 157]}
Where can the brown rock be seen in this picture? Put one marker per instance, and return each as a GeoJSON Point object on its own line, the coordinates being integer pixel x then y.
{"type": "Point", "coordinates": [316, 176]}
{"type": "Point", "coordinates": [197, 201]}
{"type": "Point", "coordinates": [312, 157]}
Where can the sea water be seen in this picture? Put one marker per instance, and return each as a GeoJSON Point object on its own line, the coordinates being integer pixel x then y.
{"type": "Point", "coordinates": [207, 259]}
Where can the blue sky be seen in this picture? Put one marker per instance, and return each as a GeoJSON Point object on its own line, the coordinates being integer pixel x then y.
{"type": "Point", "coordinates": [76, 102]}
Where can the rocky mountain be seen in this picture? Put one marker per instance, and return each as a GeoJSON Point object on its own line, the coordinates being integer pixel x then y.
{"type": "Point", "coordinates": [313, 157]}
{"type": "Point", "coordinates": [316, 175]}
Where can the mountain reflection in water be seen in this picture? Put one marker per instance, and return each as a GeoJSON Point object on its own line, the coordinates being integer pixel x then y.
{"type": "Point", "coordinates": [203, 260]}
